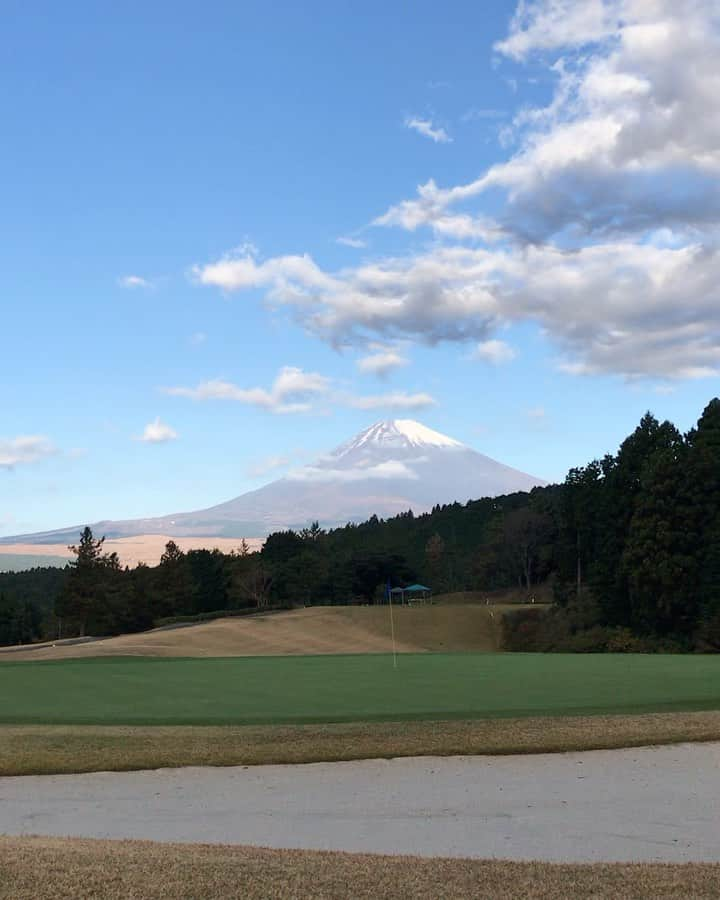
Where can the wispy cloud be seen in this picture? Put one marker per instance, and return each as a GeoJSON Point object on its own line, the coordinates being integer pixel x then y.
{"type": "Point", "coordinates": [157, 432]}
{"type": "Point", "coordinates": [297, 391]}
{"type": "Point", "coordinates": [393, 400]}
{"type": "Point", "coordinates": [382, 360]}
{"type": "Point", "coordinates": [291, 391]}
{"type": "Point", "coordinates": [426, 128]}
{"type": "Point", "coordinates": [494, 352]}
{"type": "Point", "coordinates": [136, 282]}
{"type": "Point", "coordinates": [198, 338]}
{"type": "Point", "coordinates": [392, 469]}
{"type": "Point", "coordinates": [24, 449]}
{"type": "Point", "coordinates": [355, 243]}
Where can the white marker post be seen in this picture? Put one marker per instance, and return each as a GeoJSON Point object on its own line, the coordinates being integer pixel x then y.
{"type": "Point", "coordinates": [392, 627]}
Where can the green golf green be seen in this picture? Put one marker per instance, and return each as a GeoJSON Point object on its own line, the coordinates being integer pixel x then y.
{"type": "Point", "coordinates": [153, 691]}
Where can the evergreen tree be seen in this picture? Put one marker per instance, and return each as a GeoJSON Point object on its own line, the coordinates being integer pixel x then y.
{"type": "Point", "coordinates": [86, 587]}
{"type": "Point", "coordinates": [579, 520]}
{"type": "Point", "coordinates": [174, 591]}
{"type": "Point", "coordinates": [703, 474]}
{"type": "Point", "coordinates": [210, 580]}
{"type": "Point", "coordinates": [658, 561]}
{"type": "Point", "coordinates": [621, 489]}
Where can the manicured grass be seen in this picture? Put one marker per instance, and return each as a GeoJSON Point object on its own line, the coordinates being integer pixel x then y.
{"type": "Point", "coordinates": [62, 869]}
{"type": "Point", "coordinates": [257, 690]}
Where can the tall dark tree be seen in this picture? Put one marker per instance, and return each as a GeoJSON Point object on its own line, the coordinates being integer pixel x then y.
{"type": "Point", "coordinates": [621, 489]}
{"type": "Point", "coordinates": [86, 588]}
{"type": "Point", "coordinates": [524, 533]}
{"type": "Point", "coordinates": [210, 580]}
{"type": "Point", "coordinates": [658, 561]}
{"type": "Point", "coordinates": [174, 591]}
{"type": "Point", "coordinates": [579, 516]}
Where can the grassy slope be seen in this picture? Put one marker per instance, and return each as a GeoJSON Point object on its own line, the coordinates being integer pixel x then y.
{"type": "Point", "coordinates": [274, 690]}
{"type": "Point", "coordinates": [56, 868]}
{"type": "Point", "coordinates": [339, 629]}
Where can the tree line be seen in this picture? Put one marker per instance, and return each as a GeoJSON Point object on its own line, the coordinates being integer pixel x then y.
{"type": "Point", "coordinates": [629, 543]}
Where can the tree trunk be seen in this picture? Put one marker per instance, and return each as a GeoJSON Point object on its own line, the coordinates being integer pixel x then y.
{"type": "Point", "coordinates": [579, 566]}
{"type": "Point", "coordinates": [527, 568]}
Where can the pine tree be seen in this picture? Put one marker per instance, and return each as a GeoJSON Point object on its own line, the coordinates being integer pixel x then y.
{"type": "Point", "coordinates": [621, 490]}
{"type": "Point", "coordinates": [88, 581]}
{"type": "Point", "coordinates": [658, 561]}
{"type": "Point", "coordinates": [703, 474]}
{"type": "Point", "coordinates": [174, 593]}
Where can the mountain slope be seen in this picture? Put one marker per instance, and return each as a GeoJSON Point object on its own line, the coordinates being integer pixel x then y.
{"type": "Point", "coordinates": [389, 468]}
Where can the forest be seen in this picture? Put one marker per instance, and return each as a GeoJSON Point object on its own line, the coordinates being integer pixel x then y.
{"type": "Point", "coordinates": [629, 545]}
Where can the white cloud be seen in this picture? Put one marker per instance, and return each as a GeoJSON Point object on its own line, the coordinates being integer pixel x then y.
{"type": "Point", "coordinates": [296, 391]}
{"type": "Point", "coordinates": [394, 400]}
{"type": "Point", "coordinates": [495, 352]}
{"type": "Point", "coordinates": [157, 432]}
{"type": "Point", "coordinates": [631, 138]}
{"type": "Point", "coordinates": [549, 24]}
{"type": "Point", "coordinates": [290, 392]}
{"type": "Point", "coordinates": [241, 271]}
{"type": "Point", "coordinates": [608, 236]}
{"type": "Point", "coordinates": [24, 449]}
{"type": "Point", "coordinates": [356, 243]}
{"type": "Point", "coordinates": [135, 281]}
{"type": "Point", "coordinates": [391, 469]}
{"type": "Point", "coordinates": [381, 361]}
{"type": "Point", "coordinates": [616, 307]}
{"type": "Point", "coordinates": [199, 337]}
{"type": "Point", "coordinates": [426, 128]}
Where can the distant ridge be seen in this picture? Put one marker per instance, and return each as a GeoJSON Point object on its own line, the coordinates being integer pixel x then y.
{"type": "Point", "coordinates": [388, 468]}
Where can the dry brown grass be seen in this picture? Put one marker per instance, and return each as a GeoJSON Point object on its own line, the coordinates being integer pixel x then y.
{"type": "Point", "coordinates": [61, 868]}
{"type": "Point", "coordinates": [543, 593]}
{"type": "Point", "coordinates": [319, 629]}
{"type": "Point", "coordinates": [54, 749]}
{"type": "Point", "coordinates": [147, 548]}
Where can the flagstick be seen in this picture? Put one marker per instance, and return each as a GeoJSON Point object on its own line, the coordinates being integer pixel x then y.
{"type": "Point", "coordinates": [392, 631]}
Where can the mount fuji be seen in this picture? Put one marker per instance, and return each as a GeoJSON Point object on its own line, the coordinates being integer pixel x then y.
{"type": "Point", "coordinates": [389, 468]}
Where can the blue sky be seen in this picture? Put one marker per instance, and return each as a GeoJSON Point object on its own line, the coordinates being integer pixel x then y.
{"type": "Point", "coordinates": [180, 322]}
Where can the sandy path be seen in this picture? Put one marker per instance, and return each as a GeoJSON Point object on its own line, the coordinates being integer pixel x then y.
{"type": "Point", "coordinates": [658, 803]}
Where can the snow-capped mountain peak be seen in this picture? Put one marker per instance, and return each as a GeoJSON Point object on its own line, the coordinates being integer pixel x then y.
{"type": "Point", "coordinates": [396, 433]}
{"type": "Point", "coordinates": [388, 468]}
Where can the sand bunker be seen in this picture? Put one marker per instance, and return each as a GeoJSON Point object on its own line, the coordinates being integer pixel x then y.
{"type": "Point", "coordinates": [651, 804]}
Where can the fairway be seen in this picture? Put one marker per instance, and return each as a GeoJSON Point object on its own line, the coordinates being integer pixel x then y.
{"type": "Point", "coordinates": [255, 690]}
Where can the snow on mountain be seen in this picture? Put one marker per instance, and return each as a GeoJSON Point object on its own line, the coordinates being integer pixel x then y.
{"type": "Point", "coordinates": [397, 433]}
{"type": "Point", "coordinates": [389, 468]}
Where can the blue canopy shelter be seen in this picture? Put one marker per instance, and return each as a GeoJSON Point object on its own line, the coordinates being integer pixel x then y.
{"type": "Point", "coordinates": [413, 593]}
